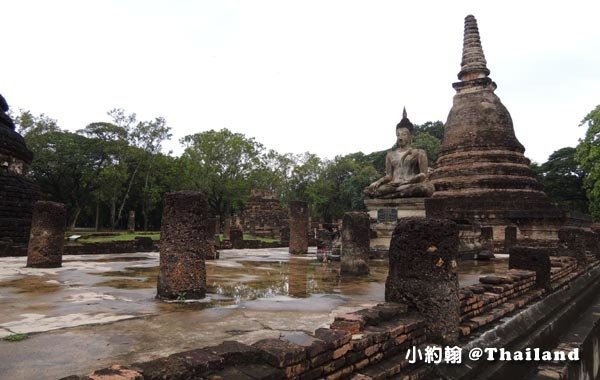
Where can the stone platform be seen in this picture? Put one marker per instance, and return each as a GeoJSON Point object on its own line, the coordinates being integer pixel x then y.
{"type": "Point", "coordinates": [386, 212]}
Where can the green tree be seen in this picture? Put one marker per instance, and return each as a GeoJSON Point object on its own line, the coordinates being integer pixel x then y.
{"type": "Point", "coordinates": [338, 188]}
{"type": "Point", "coordinates": [588, 156]}
{"type": "Point", "coordinates": [67, 167]}
{"type": "Point", "coordinates": [136, 146]}
{"type": "Point", "coordinates": [434, 128]}
{"type": "Point", "coordinates": [430, 144]}
{"type": "Point", "coordinates": [563, 178]}
{"type": "Point", "coordinates": [222, 164]}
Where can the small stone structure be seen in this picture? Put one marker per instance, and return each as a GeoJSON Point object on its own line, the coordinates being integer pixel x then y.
{"type": "Point", "coordinates": [355, 243]}
{"type": "Point", "coordinates": [298, 227]}
{"type": "Point", "coordinates": [184, 244]}
{"type": "Point", "coordinates": [236, 236]}
{"type": "Point", "coordinates": [423, 275]}
{"type": "Point", "coordinates": [47, 238]}
{"type": "Point", "coordinates": [17, 192]}
{"type": "Point", "coordinates": [263, 215]}
{"type": "Point", "coordinates": [131, 221]}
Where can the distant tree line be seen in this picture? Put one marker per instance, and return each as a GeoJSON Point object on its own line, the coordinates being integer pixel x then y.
{"type": "Point", "coordinates": [108, 168]}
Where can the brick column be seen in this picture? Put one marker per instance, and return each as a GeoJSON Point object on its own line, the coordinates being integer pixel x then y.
{"type": "Point", "coordinates": [237, 238]}
{"type": "Point", "coordinates": [47, 235]}
{"type": "Point", "coordinates": [211, 228]}
{"type": "Point", "coordinates": [423, 273]}
{"type": "Point", "coordinates": [184, 243]}
{"type": "Point", "coordinates": [131, 221]}
{"type": "Point", "coordinates": [298, 227]}
{"type": "Point", "coordinates": [510, 237]}
{"type": "Point", "coordinates": [226, 227]}
{"type": "Point", "coordinates": [355, 243]}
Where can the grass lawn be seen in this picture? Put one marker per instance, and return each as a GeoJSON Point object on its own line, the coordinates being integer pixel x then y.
{"type": "Point", "coordinates": [102, 237]}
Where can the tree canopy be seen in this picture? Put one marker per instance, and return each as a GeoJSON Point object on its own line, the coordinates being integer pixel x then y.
{"type": "Point", "coordinates": [588, 156]}
{"type": "Point", "coordinates": [110, 167]}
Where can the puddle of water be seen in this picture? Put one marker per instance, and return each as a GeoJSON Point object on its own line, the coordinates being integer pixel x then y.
{"type": "Point", "coordinates": [33, 285]}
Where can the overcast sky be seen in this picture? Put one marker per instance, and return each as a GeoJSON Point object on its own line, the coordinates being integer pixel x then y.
{"type": "Point", "coordinates": [329, 77]}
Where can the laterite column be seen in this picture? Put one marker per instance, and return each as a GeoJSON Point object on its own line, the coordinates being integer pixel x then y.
{"type": "Point", "coordinates": [47, 236]}
{"type": "Point", "coordinates": [423, 275]}
{"type": "Point", "coordinates": [184, 244]}
{"type": "Point", "coordinates": [298, 227]}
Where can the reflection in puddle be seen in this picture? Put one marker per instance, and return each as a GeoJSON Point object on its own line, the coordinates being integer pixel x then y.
{"type": "Point", "coordinates": [32, 285]}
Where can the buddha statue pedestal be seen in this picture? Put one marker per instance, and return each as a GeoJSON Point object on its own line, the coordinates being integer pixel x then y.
{"type": "Point", "coordinates": [386, 212]}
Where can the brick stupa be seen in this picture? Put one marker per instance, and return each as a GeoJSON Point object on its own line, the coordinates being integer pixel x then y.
{"type": "Point", "coordinates": [17, 192]}
{"type": "Point", "coordinates": [482, 175]}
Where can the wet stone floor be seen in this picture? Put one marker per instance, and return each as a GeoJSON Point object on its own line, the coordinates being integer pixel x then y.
{"type": "Point", "coordinates": [100, 309]}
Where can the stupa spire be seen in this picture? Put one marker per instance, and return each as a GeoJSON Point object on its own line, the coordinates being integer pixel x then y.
{"type": "Point", "coordinates": [473, 65]}
{"type": "Point", "coordinates": [404, 115]}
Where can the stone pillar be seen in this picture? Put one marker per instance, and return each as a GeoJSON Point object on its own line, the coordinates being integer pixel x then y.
{"type": "Point", "coordinates": [284, 236]}
{"type": "Point", "coordinates": [487, 243]}
{"type": "Point", "coordinates": [236, 236]}
{"type": "Point", "coordinates": [47, 235]}
{"type": "Point", "coordinates": [211, 227]}
{"type": "Point", "coordinates": [184, 244]}
{"type": "Point", "coordinates": [510, 238]}
{"type": "Point", "coordinates": [355, 243]}
{"type": "Point", "coordinates": [535, 259]}
{"type": "Point", "coordinates": [131, 221]}
{"type": "Point", "coordinates": [298, 227]}
{"type": "Point", "coordinates": [572, 241]}
{"type": "Point", "coordinates": [226, 227]}
{"type": "Point", "coordinates": [423, 275]}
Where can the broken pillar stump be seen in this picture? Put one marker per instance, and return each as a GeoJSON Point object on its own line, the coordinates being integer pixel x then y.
{"type": "Point", "coordinates": [47, 235]}
{"type": "Point", "coordinates": [226, 227]}
{"type": "Point", "coordinates": [298, 227]}
{"type": "Point", "coordinates": [534, 259]}
{"type": "Point", "coordinates": [423, 276]}
{"type": "Point", "coordinates": [211, 233]}
{"type": "Point", "coordinates": [131, 221]}
{"type": "Point", "coordinates": [487, 243]}
{"type": "Point", "coordinates": [510, 237]}
{"type": "Point", "coordinates": [185, 242]}
{"type": "Point", "coordinates": [355, 243]}
{"type": "Point", "coordinates": [236, 236]}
